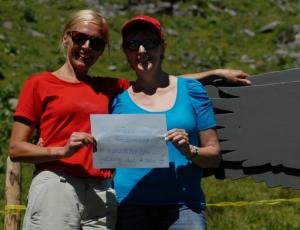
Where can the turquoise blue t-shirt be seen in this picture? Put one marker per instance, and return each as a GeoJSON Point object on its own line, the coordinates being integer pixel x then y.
{"type": "Point", "coordinates": [181, 182]}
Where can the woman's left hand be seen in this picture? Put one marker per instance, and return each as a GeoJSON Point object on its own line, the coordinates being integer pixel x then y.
{"type": "Point", "coordinates": [180, 138]}
{"type": "Point", "coordinates": [233, 76]}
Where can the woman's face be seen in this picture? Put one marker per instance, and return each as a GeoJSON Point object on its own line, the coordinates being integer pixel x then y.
{"type": "Point", "coordinates": [143, 49]}
{"type": "Point", "coordinates": [84, 45]}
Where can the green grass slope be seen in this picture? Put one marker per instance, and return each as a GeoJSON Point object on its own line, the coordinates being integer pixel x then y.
{"type": "Point", "coordinates": [254, 35]}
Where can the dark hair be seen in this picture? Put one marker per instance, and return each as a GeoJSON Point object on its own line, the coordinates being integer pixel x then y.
{"type": "Point", "coordinates": [139, 27]}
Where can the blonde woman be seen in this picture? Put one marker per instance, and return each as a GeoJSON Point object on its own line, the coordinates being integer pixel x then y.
{"type": "Point", "coordinates": [66, 191]}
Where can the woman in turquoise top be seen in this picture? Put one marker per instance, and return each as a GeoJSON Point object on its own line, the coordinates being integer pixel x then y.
{"type": "Point", "coordinates": [165, 198]}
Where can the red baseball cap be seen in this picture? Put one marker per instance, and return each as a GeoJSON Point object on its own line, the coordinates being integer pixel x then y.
{"type": "Point", "coordinates": [143, 19]}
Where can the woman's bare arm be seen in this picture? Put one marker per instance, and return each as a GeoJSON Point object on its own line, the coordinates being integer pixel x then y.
{"type": "Point", "coordinates": [237, 77]}
{"type": "Point", "coordinates": [20, 149]}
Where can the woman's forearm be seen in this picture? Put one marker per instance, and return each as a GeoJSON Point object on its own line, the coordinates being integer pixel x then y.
{"type": "Point", "coordinates": [208, 155]}
{"type": "Point", "coordinates": [236, 77]}
{"type": "Point", "coordinates": [22, 151]}
{"type": "Point", "coordinates": [205, 157]}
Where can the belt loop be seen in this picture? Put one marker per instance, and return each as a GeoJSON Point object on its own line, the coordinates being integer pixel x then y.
{"type": "Point", "coordinates": [62, 179]}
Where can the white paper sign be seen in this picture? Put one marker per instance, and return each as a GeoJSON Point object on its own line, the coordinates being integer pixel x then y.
{"type": "Point", "coordinates": [130, 141]}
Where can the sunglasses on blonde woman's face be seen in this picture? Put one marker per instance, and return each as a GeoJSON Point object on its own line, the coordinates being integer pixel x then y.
{"type": "Point", "coordinates": [96, 43]}
{"type": "Point", "coordinates": [148, 44]}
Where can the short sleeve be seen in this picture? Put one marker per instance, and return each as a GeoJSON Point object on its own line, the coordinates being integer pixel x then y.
{"type": "Point", "coordinates": [116, 105]}
{"type": "Point", "coordinates": [123, 85]}
{"type": "Point", "coordinates": [201, 104]}
{"type": "Point", "coordinates": [29, 103]}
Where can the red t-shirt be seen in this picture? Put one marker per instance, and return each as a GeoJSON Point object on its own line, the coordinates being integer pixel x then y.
{"type": "Point", "coordinates": [58, 108]}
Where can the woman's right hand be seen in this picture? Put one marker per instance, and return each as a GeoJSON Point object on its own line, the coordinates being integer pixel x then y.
{"type": "Point", "coordinates": [76, 141]}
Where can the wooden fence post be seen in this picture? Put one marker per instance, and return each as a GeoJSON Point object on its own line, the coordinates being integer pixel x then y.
{"type": "Point", "coordinates": [13, 194]}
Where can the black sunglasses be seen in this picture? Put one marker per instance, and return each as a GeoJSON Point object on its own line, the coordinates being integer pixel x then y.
{"type": "Point", "coordinates": [148, 44]}
{"type": "Point", "coordinates": [96, 43]}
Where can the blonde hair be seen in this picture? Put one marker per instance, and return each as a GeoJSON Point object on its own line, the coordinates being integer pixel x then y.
{"type": "Point", "coordinates": [86, 15]}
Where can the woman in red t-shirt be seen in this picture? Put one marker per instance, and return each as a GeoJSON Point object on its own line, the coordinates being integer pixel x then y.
{"type": "Point", "coordinates": [66, 191]}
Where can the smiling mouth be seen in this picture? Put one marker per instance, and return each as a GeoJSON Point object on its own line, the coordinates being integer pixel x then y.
{"type": "Point", "coordinates": [144, 58]}
{"type": "Point", "coordinates": [85, 57]}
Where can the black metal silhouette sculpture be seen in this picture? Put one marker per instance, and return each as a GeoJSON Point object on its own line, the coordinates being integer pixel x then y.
{"type": "Point", "coordinates": [258, 128]}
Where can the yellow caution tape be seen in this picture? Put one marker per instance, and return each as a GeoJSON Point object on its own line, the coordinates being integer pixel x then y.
{"type": "Point", "coordinates": [13, 209]}
{"type": "Point", "coordinates": [249, 203]}
{"type": "Point", "coordinates": [16, 209]}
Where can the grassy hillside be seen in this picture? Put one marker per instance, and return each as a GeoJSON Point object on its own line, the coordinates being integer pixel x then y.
{"type": "Point", "coordinates": [254, 35]}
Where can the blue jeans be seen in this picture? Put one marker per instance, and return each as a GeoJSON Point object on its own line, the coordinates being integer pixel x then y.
{"type": "Point", "coordinates": [163, 217]}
